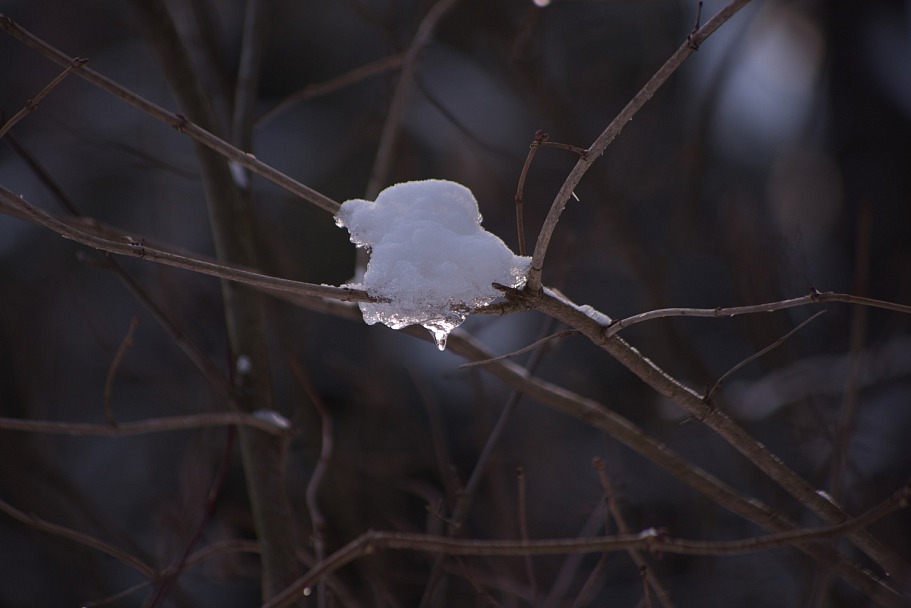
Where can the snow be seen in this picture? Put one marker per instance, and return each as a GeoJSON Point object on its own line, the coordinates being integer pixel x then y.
{"type": "Point", "coordinates": [430, 259]}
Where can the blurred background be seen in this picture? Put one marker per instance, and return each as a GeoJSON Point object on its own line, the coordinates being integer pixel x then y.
{"type": "Point", "coordinates": [774, 162]}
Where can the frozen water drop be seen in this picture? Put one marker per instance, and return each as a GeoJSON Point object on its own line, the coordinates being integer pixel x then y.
{"type": "Point", "coordinates": [439, 332]}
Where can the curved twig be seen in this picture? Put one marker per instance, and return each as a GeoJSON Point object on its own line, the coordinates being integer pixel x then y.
{"type": "Point", "coordinates": [814, 297]}
{"type": "Point", "coordinates": [721, 380]}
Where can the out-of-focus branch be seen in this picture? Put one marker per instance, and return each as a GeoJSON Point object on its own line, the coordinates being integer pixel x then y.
{"type": "Point", "coordinates": [232, 220]}
{"type": "Point", "coordinates": [648, 540]}
{"type": "Point", "coordinates": [702, 410]}
{"type": "Point", "coordinates": [623, 528]}
{"type": "Point", "coordinates": [613, 130]}
{"type": "Point", "coordinates": [150, 425]}
{"type": "Point", "coordinates": [32, 104]}
{"type": "Point", "coordinates": [33, 521]}
{"type": "Point", "coordinates": [618, 427]}
{"type": "Point", "coordinates": [178, 121]}
{"type": "Point", "coordinates": [392, 62]}
{"type": "Point", "coordinates": [381, 166]}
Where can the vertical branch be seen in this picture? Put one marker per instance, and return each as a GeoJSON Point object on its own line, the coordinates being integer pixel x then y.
{"type": "Point", "coordinates": [125, 345]}
{"type": "Point", "coordinates": [649, 581]}
{"type": "Point", "coordinates": [317, 519]}
{"type": "Point", "coordinates": [383, 163]}
{"type": "Point", "coordinates": [231, 218]}
{"type": "Point", "coordinates": [523, 534]}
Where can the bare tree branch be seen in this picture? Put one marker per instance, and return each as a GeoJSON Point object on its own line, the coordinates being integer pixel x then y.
{"type": "Point", "coordinates": [613, 130]}
{"type": "Point", "coordinates": [141, 427]}
{"type": "Point", "coordinates": [137, 247]}
{"type": "Point", "coordinates": [648, 540]}
{"type": "Point", "coordinates": [178, 121]}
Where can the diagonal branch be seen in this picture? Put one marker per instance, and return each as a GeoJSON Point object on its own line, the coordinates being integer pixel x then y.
{"type": "Point", "coordinates": [702, 410]}
{"type": "Point", "coordinates": [613, 130]}
{"type": "Point", "coordinates": [32, 104]}
{"type": "Point", "coordinates": [178, 121]}
{"type": "Point", "coordinates": [137, 247]}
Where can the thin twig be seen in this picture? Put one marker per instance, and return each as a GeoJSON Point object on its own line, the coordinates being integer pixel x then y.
{"type": "Point", "coordinates": [172, 574]}
{"type": "Point", "coordinates": [572, 562]}
{"type": "Point", "coordinates": [140, 427]}
{"type": "Point", "coordinates": [523, 532]}
{"type": "Point", "coordinates": [44, 176]}
{"type": "Point", "coordinates": [597, 148]}
{"type": "Point", "coordinates": [137, 247]}
{"type": "Point", "coordinates": [647, 540]}
{"type": "Point", "coordinates": [231, 545]}
{"type": "Point", "coordinates": [757, 355]}
{"type": "Point", "coordinates": [32, 104]}
{"type": "Point", "coordinates": [649, 580]}
{"type": "Point", "coordinates": [246, 91]}
{"type": "Point", "coordinates": [601, 417]}
{"type": "Point", "coordinates": [312, 91]}
{"type": "Point", "coordinates": [814, 297]}
{"type": "Point", "coordinates": [555, 336]}
{"type": "Point", "coordinates": [857, 336]}
{"type": "Point", "coordinates": [467, 495]}
{"type": "Point", "coordinates": [33, 521]}
{"type": "Point", "coordinates": [200, 360]}
{"type": "Point", "coordinates": [125, 345]}
{"type": "Point", "coordinates": [175, 120]}
{"type": "Point", "coordinates": [317, 519]}
{"type": "Point", "coordinates": [699, 409]}
{"type": "Point", "coordinates": [520, 188]}
{"type": "Point", "coordinates": [386, 148]}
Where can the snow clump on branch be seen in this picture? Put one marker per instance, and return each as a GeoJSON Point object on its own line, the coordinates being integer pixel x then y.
{"type": "Point", "coordinates": [430, 260]}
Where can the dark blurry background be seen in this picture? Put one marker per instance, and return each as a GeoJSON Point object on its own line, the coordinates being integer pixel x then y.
{"type": "Point", "coordinates": [778, 159]}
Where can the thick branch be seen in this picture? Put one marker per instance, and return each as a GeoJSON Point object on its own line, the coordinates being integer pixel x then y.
{"type": "Point", "coordinates": [701, 409]}
{"type": "Point", "coordinates": [138, 247]}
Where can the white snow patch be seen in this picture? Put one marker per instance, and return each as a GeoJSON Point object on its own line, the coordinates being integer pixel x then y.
{"type": "Point", "coordinates": [430, 259]}
{"type": "Point", "coordinates": [272, 417]}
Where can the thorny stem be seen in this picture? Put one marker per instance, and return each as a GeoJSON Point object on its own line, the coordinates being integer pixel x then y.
{"type": "Point", "coordinates": [597, 148]}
